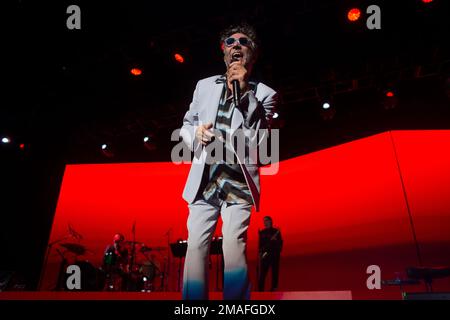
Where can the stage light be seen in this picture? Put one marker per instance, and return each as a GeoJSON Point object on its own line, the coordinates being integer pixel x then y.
{"type": "Point", "coordinates": [6, 140]}
{"type": "Point", "coordinates": [149, 142]}
{"type": "Point", "coordinates": [106, 150]}
{"type": "Point", "coordinates": [427, 1]}
{"type": "Point", "coordinates": [327, 107]}
{"type": "Point", "coordinates": [353, 14]}
{"type": "Point", "coordinates": [22, 146]}
{"type": "Point", "coordinates": [275, 115]}
{"type": "Point", "coordinates": [390, 100]}
{"type": "Point", "coordinates": [136, 72]}
{"type": "Point", "coordinates": [178, 57]}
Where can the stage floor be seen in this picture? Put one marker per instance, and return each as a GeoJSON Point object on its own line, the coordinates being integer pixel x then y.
{"type": "Point", "coordinates": [66, 295]}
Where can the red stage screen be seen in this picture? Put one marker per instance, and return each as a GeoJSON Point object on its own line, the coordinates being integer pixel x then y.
{"type": "Point", "coordinates": [340, 210]}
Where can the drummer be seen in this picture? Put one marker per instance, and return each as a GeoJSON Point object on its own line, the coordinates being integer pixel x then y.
{"type": "Point", "coordinates": [115, 262]}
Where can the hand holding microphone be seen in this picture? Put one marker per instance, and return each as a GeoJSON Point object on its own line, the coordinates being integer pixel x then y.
{"type": "Point", "coordinates": [237, 76]}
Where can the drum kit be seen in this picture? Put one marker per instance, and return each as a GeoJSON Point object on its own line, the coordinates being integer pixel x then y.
{"type": "Point", "coordinates": [144, 269]}
{"type": "Point", "coordinates": [140, 271]}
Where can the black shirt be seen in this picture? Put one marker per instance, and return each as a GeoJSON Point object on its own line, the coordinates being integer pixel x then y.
{"type": "Point", "coordinates": [270, 241]}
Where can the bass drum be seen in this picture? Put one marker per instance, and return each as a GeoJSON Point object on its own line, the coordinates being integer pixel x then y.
{"type": "Point", "coordinates": [148, 270]}
{"type": "Point", "coordinates": [92, 279]}
{"type": "Point", "coordinates": [149, 273]}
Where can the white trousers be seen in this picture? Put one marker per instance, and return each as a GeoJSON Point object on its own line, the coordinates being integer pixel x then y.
{"type": "Point", "coordinates": [202, 221]}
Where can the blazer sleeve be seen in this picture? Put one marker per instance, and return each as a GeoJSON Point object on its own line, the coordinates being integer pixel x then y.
{"type": "Point", "coordinates": [259, 114]}
{"type": "Point", "coordinates": [191, 122]}
{"type": "Point", "coordinates": [258, 117]}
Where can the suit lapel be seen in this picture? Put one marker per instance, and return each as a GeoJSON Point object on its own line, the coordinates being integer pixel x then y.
{"type": "Point", "coordinates": [213, 102]}
{"type": "Point", "coordinates": [236, 119]}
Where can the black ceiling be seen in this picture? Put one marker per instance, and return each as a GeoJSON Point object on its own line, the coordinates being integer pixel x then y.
{"type": "Point", "coordinates": [71, 90]}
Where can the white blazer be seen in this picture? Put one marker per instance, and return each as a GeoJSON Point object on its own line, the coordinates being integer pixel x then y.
{"type": "Point", "coordinates": [260, 105]}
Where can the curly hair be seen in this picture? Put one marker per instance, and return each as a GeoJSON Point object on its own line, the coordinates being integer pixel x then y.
{"type": "Point", "coordinates": [244, 28]}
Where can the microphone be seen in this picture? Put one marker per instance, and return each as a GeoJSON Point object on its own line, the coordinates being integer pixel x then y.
{"type": "Point", "coordinates": [235, 83]}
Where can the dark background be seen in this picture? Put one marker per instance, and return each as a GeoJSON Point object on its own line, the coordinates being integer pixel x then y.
{"type": "Point", "coordinates": [65, 92]}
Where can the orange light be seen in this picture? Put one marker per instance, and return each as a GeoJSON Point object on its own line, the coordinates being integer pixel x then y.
{"type": "Point", "coordinates": [178, 57]}
{"type": "Point", "coordinates": [354, 14]}
{"type": "Point", "coordinates": [136, 72]}
{"type": "Point", "coordinates": [389, 94]}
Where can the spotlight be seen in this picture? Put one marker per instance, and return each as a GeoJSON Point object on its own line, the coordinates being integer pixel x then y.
{"type": "Point", "coordinates": [149, 142]}
{"type": "Point", "coordinates": [136, 72]}
{"type": "Point", "coordinates": [427, 1]}
{"type": "Point", "coordinates": [6, 140]}
{"type": "Point", "coordinates": [278, 121]}
{"type": "Point", "coordinates": [353, 14]}
{"type": "Point", "coordinates": [327, 110]}
{"type": "Point", "coordinates": [178, 58]}
{"type": "Point", "coordinates": [389, 100]}
{"type": "Point", "coordinates": [106, 150]}
{"type": "Point", "coordinates": [390, 94]}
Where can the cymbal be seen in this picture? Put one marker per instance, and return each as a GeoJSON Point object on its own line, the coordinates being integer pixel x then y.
{"type": "Point", "coordinates": [134, 242]}
{"type": "Point", "coordinates": [145, 249]}
{"type": "Point", "coordinates": [159, 248]}
{"type": "Point", "coordinates": [74, 247]}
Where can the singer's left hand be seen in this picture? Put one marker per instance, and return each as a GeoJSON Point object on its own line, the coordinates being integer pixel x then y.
{"type": "Point", "coordinates": [237, 71]}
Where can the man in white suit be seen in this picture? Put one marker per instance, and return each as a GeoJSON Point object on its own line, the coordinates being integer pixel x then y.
{"type": "Point", "coordinates": [225, 187]}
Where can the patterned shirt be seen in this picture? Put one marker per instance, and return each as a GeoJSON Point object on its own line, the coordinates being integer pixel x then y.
{"type": "Point", "coordinates": [226, 177]}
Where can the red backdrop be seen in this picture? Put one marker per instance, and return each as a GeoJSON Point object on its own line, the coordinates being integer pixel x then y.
{"type": "Point", "coordinates": [340, 210]}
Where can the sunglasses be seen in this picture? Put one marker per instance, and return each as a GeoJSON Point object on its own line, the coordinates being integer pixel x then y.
{"type": "Point", "coordinates": [243, 41]}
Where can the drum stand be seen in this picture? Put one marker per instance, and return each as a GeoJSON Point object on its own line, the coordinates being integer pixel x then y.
{"type": "Point", "coordinates": [44, 266]}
